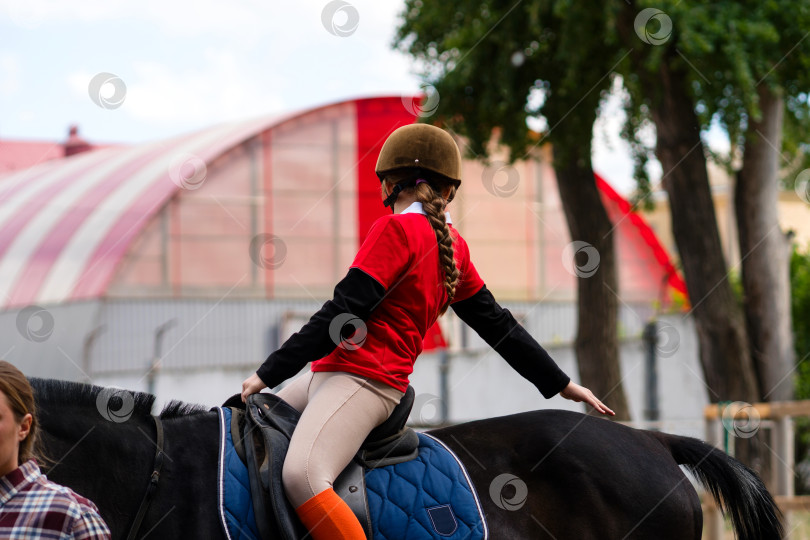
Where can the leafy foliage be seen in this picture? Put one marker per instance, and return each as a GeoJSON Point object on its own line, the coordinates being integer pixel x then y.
{"type": "Point", "coordinates": [728, 49]}
{"type": "Point", "coordinates": [800, 298]}
{"type": "Point", "coordinates": [497, 65]}
{"type": "Point", "coordinates": [796, 138]}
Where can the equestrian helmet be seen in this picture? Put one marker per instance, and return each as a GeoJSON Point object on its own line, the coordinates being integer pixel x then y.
{"type": "Point", "coordinates": [421, 146]}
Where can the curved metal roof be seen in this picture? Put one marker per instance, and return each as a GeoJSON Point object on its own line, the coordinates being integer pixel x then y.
{"type": "Point", "coordinates": [65, 224]}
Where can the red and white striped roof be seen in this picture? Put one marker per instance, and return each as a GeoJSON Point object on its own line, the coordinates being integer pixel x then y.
{"type": "Point", "coordinates": [65, 224]}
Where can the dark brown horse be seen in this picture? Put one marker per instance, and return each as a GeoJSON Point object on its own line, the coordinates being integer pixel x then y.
{"type": "Point", "coordinates": [541, 475]}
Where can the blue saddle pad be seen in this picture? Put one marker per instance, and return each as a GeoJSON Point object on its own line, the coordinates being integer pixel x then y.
{"type": "Point", "coordinates": [429, 497]}
{"type": "Point", "coordinates": [235, 507]}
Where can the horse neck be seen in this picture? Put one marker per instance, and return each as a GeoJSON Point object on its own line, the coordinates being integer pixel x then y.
{"type": "Point", "coordinates": [83, 436]}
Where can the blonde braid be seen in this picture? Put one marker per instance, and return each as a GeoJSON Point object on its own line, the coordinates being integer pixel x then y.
{"type": "Point", "coordinates": [433, 205]}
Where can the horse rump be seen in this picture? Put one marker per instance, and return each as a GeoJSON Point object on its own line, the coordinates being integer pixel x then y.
{"type": "Point", "coordinates": [737, 489]}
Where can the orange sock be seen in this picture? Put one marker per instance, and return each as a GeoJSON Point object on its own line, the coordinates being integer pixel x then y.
{"type": "Point", "coordinates": [327, 517]}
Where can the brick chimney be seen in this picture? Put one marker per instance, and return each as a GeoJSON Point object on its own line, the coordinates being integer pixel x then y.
{"type": "Point", "coordinates": [74, 143]}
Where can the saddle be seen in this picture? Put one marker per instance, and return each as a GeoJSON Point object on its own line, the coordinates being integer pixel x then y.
{"type": "Point", "coordinates": [261, 431]}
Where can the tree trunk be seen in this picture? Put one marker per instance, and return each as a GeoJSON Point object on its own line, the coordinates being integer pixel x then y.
{"type": "Point", "coordinates": [597, 341]}
{"type": "Point", "coordinates": [719, 321]}
{"type": "Point", "coordinates": [765, 252]}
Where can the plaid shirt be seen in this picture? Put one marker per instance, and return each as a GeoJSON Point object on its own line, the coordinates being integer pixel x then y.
{"type": "Point", "coordinates": [33, 507]}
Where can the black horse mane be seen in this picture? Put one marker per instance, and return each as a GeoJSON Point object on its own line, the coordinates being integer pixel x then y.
{"type": "Point", "coordinates": [57, 391]}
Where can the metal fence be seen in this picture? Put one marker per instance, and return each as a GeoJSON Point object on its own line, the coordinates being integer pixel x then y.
{"type": "Point", "coordinates": [188, 349]}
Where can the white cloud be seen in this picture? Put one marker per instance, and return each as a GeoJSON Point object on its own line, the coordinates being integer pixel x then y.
{"type": "Point", "coordinates": [189, 64]}
{"type": "Point", "coordinates": [10, 74]}
{"type": "Point", "coordinates": [244, 20]}
{"type": "Point", "coordinates": [31, 14]}
{"type": "Point", "coordinates": [161, 95]}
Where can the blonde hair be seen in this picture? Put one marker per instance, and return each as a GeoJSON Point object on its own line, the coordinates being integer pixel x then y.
{"type": "Point", "coordinates": [429, 193]}
{"type": "Point", "coordinates": [20, 397]}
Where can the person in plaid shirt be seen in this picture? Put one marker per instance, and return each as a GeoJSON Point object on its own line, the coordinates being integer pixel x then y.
{"type": "Point", "coordinates": [31, 506]}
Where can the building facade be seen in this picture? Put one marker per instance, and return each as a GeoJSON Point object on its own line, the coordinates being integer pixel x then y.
{"type": "Point", "coordinates": [177, 266]}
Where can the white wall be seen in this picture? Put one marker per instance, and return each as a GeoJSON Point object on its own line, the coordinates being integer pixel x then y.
{"type": "Point", "coordinates": [213, 347]}
{"type": "Point", "coordinates": [482, 385]}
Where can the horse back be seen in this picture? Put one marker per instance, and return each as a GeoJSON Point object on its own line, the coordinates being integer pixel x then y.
{"type": "Point", "coordinates": [560, 474]}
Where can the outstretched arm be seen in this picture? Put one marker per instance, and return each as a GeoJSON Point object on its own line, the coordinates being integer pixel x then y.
{"type": "Point", "coordinates": [578, 393]}
{"type": "Point", "coordinates": [376, 268]}
{"type": "Point", "coordinates": [357, 294]}
{"type": "Point", "coordinates": [502, 332]}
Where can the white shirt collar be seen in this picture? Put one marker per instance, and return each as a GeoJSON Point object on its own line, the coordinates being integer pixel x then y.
{"type": "Point", "coordinates": [416, 208]}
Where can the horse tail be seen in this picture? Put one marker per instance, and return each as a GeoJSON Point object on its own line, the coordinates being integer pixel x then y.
{"type": "Point", "coordinates": [737, 489]}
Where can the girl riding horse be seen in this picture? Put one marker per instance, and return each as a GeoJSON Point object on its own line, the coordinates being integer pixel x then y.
{"type": "Point", "coordinates": [412, 266]}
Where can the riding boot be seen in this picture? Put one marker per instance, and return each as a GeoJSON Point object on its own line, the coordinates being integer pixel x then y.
{"type": "Point", "coordinates": [327, 517]}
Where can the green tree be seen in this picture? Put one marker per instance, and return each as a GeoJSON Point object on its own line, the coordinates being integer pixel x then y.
{"type": "Point", "coordinates": [734, 63]}
{"type": "Point", "coordinates": [685, 64]}
{"type": "Point", "coordinates": [800, 305]}
{"type": "Point", "coordinates": [659, 80]}
{"type": "Point", "coordinates": [773, 61]}
{"type": "Point", "coordinates": [492, 63]}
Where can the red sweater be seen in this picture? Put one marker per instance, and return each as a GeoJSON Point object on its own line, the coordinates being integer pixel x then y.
{"type": "Point", "coordinates": [402, 255]}
{"type": "Point", "coordinates": [381, 310]}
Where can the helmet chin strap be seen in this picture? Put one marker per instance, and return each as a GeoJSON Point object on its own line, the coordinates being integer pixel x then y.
{"type": "Point", "coordinates": [392, 198]}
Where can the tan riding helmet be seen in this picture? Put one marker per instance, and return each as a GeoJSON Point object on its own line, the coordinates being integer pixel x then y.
{"type": "Point", "coordinates": [421, 146]}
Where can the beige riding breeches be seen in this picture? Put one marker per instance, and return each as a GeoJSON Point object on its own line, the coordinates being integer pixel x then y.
{"type": "Point", "coordinates": [338, 411]}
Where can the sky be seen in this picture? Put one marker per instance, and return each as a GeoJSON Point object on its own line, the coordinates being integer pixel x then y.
{"type": "Point", "coordinates": [183, 65]}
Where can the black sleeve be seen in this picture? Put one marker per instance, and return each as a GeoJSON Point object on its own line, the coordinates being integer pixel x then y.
{"type": "Point", "coordinates": [355, 297]}
{"type": "Point", "coordinates": [502, 332]}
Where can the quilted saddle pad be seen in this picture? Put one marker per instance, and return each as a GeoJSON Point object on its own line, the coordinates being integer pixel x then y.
{"type": "Point", "coordinates": [235, 507]}
{"type": "Point", "coordinates": [428, 497]}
